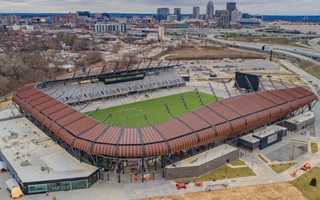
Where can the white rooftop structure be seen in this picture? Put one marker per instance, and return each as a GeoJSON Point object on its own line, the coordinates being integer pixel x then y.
{"type": "Point", "coordinates": [205, 157]}
{"type": "Point", "coordinates": [34, 156]}
{"type": "Point", "coordinates": [270, 130]}
{"type": "Point", "coordinates": [301, 118]}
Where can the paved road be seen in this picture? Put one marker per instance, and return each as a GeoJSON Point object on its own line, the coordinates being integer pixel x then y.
{"type": "Point", "coordinates": [314, 43]}
{"type": "Point", "coordinates": [291, 51]}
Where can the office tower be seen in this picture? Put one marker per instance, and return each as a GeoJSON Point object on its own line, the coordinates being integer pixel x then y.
{"type": "Point", "coordinates": [196, 12]}
{"type": "Point", "coordinates": [217, 13]}
{"type": "Point", "coordinates": [177, 11]}
{"type": "Point", "coordinates": [83, 14]}
{"type": "Point", "coordinates": [162, 13]}
{"type": "Point", "coordinates": [224, 19]}
{"type": "Point", "coordinates": [231, 6]}
{"type": "Point", "coordinates": [235, 16]}
{"type": "Point", "coordinates": [210, 10]}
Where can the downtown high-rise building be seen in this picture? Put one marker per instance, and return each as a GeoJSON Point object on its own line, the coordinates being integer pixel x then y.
{"type": "Point", "coordinates": [231, 6]}
{"type": "Point", "coordinates": [210, 10]}
{"type": "Point", "coordinates": [177, 12]}
{"type": "Point", "coordinates": [196, 12]}
{"type": "Point", "coordinates": [162, 13]}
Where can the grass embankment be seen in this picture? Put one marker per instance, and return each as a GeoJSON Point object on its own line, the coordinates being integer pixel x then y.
{"type": "Point", "coordinates": [224, 172]}
{"type": "Point", "coordinates": [263, 158]}
{"type": "Point", "coordinates": [310, 68]}
{"type": "Point", "coordinates": [314, 147]}
{"type": "Point", "coordinates": [303, 184]}
{"type": "Point", "coordinates": [155, 110]}
{"type": "Point", "coordinates": [279, 168]}
{"type": "Point", "coordinates": [237, 163]}
{"type": "Point", "coordinates": [264, 39]}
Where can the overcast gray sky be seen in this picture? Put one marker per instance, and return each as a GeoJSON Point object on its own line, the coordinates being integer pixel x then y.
{"type": "Point", "coordinates": [280, 7]}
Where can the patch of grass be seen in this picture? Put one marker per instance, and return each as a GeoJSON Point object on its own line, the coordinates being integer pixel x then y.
{"type": "Point", "coordinates": [300, 141]}
{"type": "Point", "coordinates": [237, 163]}
{"type": "Point", "coordinates": [262, 158]}
{"type": "Point", "coordinates": [224, 172]}
{"type": "Point", "coordinates": [303, 184]}
{"type": "Point", "coordinates": [305, 64]}
{"type": "Point", "coordinates": [155, 110]}
{"type": "Point", "coordinates": [310, 68]}
{"type": "Point", "coordinates": [314, 147]}
{"type": "Point", "coordinates": [279, 168]}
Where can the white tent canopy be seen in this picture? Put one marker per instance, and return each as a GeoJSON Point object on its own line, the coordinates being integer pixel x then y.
{"type": "Point", "coordinates": [3, 165]}
{"type": "Point", "coordinates": [11, 183]}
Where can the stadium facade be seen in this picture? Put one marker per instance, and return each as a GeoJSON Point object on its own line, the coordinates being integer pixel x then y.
{"type": "Point", "coordinates": [97, 143]}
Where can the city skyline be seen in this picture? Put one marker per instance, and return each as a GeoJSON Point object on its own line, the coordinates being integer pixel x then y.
{"type": "Point", "coordinates": [309, 7]}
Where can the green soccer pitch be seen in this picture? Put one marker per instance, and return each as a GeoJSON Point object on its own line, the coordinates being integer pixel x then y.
{"type": "Point", "coordinates": [155, 110]}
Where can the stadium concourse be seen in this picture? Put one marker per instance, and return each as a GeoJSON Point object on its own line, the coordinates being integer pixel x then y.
{"type": "Point", "coordinates": [111, 147]}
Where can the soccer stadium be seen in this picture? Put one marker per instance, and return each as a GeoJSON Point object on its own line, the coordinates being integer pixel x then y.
{"type": "Point", "coordinates": [162, 130]}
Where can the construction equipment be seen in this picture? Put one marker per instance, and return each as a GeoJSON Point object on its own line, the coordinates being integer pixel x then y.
{"type": "Point", "coordinates": [181, 185]}
{"type": "Point", "coordinates": [305, 167]}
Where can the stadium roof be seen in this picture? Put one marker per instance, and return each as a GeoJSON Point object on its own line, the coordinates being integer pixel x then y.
{"type": "Point", "coordinates": [215, 122]}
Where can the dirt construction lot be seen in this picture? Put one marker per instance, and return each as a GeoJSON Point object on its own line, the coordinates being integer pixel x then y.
{"type": "Point", "coordinates": [278, 191]}
{"type": "Point", "coordinates": [203, 53]}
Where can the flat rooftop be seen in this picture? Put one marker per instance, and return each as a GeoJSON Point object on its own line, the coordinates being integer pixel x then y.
{"type": "Point", "coordinates": [205, 157]}
{"type": "Point", "coordinates": [301, 118]}
{"type": "Point", "coordinates": [250, 138]}
{"type": "Point", "coordinates": [33, 155]}
{"type": "Point", "coordinates": [268, 131]}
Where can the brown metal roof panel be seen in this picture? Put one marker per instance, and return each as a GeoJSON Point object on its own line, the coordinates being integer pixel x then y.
{"type": "Point", "coordinates": [94, 133]}
{"type": "Point", "coordinates": [207, 136]}
{"type": "Point", "coordinates": [173, 128]}
{"type": "Point", "coordinates": [156, 149]}
{"type": "Point", "coordinates": [186, 142]}
{"type": "Point", "coordinates": [282, 94]}
{"type": "Point", "coordinates": [272, 97]}
{"type": "Point", "coordinates": [252, 122]}
{"type": "Point", "coordinates": [70, 118]}
{"type": "Point", "coordinates": [130, 151]}
{"type": "Point", "coordinates": [46, 122]}
{"type": "Point", "coordinates": [52, 107]}
{"type": "Point", "coordinates": [302, 90]}
{"type": "Point", "coordinates": [224, 111]}
{"type": "Point", "coordinates": [293, 93]}
{"type": "Point", "coordinates": [65, 136]}
{"type": "Point", "coordinates": [130, 136]}
{"type": "Point", "coordinates": [104, 149]}
{"type": "Point", "coordinates": [37, 96]}
{"type": "Point", "coordinates": [79, 126]}
{"type": "Point", "coordinates": [47, 104]}
{"type": "Point", "coordinates": [210, 116]}
{"type": "Point", "coordinates": [262, 101]}
{"type": "Point", "coordinates": [40, 117]}
{"type": "Point", "coordinates": [27, 91]}
{"type": "Point", "coordinates": [224, 131]}
{"type": "Point", "coordinates": [238, 107]}
{"type": "Point", "coordinates": [249, 104]}
{"type": "Point", "coordinates": [111, 136]}
{"type": "Point", "coordinates": [194, 121]}
{"type": "Point", "coordinates": [33, 112]}
{"type": "Point", "coordinates": [264, 116]}
{"type": "Point", "coordinates": [55, 128]}
{"type": "Point", "coordinates": [41, 101]}
{"type": "Point", "coordinates": [150, 135]}
{"type": "Point", "coordinates": [238, 126]}
{"type": "Point", "coordinates": [61, 113]}
{"type": "Point", "coordinates": [82, 145]}
{"type": "Point", "coordinates": [275, 113]}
